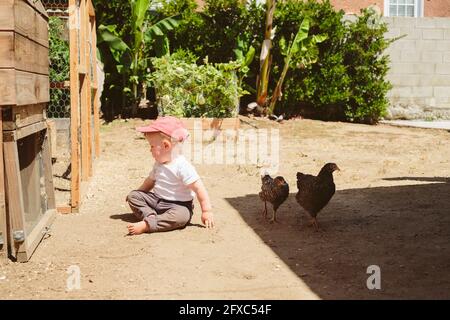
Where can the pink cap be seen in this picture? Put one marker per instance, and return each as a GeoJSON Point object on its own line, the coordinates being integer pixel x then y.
{"type": "Point", "coordinates": [170, 126]}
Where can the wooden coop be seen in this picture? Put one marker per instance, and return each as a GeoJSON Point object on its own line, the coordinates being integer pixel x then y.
{"type": "Point", "coordinates": [26, 188]}
{"type": "Point", "coordinates": [27, 192]}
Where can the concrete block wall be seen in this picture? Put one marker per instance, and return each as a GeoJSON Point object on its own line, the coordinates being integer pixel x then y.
{"type": "Point", "coordinates": [420, 67]}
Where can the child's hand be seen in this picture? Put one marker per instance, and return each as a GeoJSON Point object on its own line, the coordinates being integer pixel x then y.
{"type": "Point", "coordinates": [208, 219]}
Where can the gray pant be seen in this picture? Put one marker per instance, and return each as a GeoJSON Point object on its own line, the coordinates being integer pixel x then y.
{"type": "Point", "coordinates": [159, 214]}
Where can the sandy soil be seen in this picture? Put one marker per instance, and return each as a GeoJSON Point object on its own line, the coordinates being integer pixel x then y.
{"type": "Point", "coordinates": [391, 209]}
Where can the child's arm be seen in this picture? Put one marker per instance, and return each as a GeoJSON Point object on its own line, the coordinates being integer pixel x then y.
{"type": "Point", "coordinates": [147, 185]}
{"type": "Point", "coordinates": [205, 204]}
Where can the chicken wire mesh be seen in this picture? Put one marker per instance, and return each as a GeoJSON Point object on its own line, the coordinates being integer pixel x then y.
{"type": "Point", "coordinates": [59, 106]}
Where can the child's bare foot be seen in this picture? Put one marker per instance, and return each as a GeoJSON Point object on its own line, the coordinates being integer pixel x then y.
{"type": "Point", "coordinates": [138, 228]}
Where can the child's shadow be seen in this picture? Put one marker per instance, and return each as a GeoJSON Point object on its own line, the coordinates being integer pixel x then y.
{"type": "Point", "coordinates": [127, 217]}
{"type": "Point", "coordinates": [130, 217]}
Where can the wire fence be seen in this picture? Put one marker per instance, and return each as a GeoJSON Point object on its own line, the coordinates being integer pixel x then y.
{"type": "Point", "coordinates": [58, 11]}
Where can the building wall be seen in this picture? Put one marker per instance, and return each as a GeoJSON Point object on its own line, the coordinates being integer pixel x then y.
{"type": "Point", "coordinates": [432, 8]}
{"type": "Point", "coordinates": [419, 67]}
{"type": "Point", "coordinates": [354, 6]}
{"type": "Point", "coordinates": [437, 8]}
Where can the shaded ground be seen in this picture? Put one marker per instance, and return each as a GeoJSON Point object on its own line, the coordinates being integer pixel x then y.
{"type": "Point", "coordinates": [391, 209]}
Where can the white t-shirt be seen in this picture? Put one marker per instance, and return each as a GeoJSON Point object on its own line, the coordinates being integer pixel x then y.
{"type": "Point", "coordinates": [171, 179]}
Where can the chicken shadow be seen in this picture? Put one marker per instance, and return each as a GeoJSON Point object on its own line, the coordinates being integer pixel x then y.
{"type": "Point", "coordinates": [404, 230]}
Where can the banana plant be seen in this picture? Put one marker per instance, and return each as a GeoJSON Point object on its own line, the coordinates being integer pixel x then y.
{"type": "Point", "coordinates": [245, 54]}
{"type": "Point", "coordinates": [131, 55]}
{"type": "Point", "coordinates": [265, 58]}
{"type": "Point", "coordinates": [302, 50]}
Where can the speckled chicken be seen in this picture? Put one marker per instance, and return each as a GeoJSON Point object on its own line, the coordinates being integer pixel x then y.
{"type": "Point", "coordinates": [274, 191]}
{"type": "Point", "coordinates": [314, 192]}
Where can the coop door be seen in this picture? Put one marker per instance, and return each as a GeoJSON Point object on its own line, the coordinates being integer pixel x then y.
{"type": "Point", "coordinates": [29, 184]}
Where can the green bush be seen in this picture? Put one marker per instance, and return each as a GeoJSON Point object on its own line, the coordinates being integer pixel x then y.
{"type": "Point", "coordinates": [214, 32]}
{"type": "Point", "coordinates": [367, 68]}
{"type": "Point", "coordinates": [186, 89]}
{"type": "Point", "coordinates": [321, 89]}
{"type": "Point", "coordinates": [59, 67]}
{"type": "Point", "coordinates": [347, 82]}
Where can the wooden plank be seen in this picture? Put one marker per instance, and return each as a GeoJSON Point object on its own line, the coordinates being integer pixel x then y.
{"type": "Point", "coordinates": [96, 93]}
{"type": "Point", "coordinates": [35, 237]}
{"type": "Point", "coordinates": [30, 129]}
{"type": "Point", "coordinates": [82, 36]}
{"type": "Point", "coordinates": [90, 61]}
{"type": "Point", "coordinates": [7, 49]}
{"type": "Point", "coordinates": [7, 15]}
{"type": "Point", "coordinates": [30, 23]}
{"type": "Point", "coordinates": [21, 116]}
{"type": "Point", "coordinates": [51, 127]}
{"type": "Point", "coordinates": [38, 6]}
{"type": "Point", "coordinates": [97, 123]}
{"type": "Point", "coordinates": [74, 107]}
{"type": "Point", "coordinates": [91, 9]}
{"type": "Point", "coordinates": [15, 201]}
{"type": "Point", "coordinates": [3, 222]}
{"type": "Point", "coordinates": [7, 87]}
{"type": "Point", "coordinates": [85, 88]}
{"type": "Point", "coordinates": [48, 171]}
{"type": "Point", "coordinates": [30, 56]}
{"type": "Point", "coordinates": [32, 88]}
{"type": "Point", "coordinates": [21, 88]}
{"type": "Point", "coordinates": [64, 209]}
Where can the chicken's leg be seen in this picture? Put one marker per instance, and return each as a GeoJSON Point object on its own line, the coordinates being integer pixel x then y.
{"type": "Point", "coordinates": [314, 223]}
{"type": "Point", "coordinates": [265, 210]}
{"type": "Point", "coordinates": [274, 216]}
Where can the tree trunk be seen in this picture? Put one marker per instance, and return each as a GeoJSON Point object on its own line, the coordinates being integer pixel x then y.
{"type": "Point", "coordinates": [265, 57]}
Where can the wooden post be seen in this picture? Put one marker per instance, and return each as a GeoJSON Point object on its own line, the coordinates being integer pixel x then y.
{"type": "Point", "coordinates": [16, 206]}
{"type": "Point", "coordinates": [3, 222]}
{"type": "Point", "coordinates": [89, 64]}
{"type": "Point", "coordinates": [96, 92]}
{"type": "Point", "coordinates": [48, 172]}
{"type": "Point", "coordinates": [85, 88]}
{"type": "Point", "coordinates": [74, 26]}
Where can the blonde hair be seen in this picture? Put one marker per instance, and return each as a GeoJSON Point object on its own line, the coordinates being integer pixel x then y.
{"type": "Point", "coordinates": [163, 136]}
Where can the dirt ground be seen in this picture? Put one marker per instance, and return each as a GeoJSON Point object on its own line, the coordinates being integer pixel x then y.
{"type": "Point", "coordinates": [391, 209]}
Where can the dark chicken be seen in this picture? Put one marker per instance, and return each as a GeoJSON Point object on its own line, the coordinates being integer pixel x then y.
{"type": "Point", "coordinates": [314, 192]}
{"type": "Point", "coordinates": [274, 191]}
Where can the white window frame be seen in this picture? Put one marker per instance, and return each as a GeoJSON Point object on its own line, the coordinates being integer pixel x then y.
{"type": "Point", "coordinates": [418, 8]}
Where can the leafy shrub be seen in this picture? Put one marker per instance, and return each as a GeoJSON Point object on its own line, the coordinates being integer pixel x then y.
{"type": "Point", "coordinates": [311, 91]}
{"type": "Point", "coordinates": [347, 82]}
{"type": "Point", "coordinates": [59, 65]}
{"type": "Point", "coordinates": [218, 31]}
{"type": "Point", "coordinates": [109, 12]}
{"type": "Point", "coordinates": [185, 89]}
{"type": "Point", "coordinates": [367, 68]}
